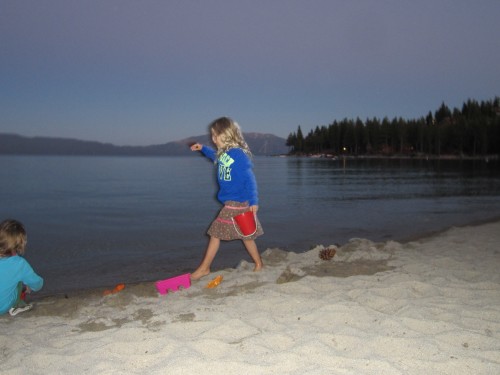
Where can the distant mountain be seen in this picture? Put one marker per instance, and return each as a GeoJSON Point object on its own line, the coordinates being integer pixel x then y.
{"type": "Point", "coordinates": [13, 144]}
{"type": "Point", "coordinates": [260, 144]}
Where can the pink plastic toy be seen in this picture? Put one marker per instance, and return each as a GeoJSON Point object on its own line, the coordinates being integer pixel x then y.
{"type": "Point", "coordinates": [173, 284]}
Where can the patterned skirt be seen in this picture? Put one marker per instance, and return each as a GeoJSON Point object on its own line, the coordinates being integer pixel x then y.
{"type": "Point", "coordinates": [223, 228]}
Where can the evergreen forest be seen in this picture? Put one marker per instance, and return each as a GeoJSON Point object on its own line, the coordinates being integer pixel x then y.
{"type": "Point", "coordinates": [472, 131]}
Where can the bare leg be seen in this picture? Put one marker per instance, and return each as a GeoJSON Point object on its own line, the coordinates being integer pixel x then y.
{"type": "Point", "coordinates": [251, 247]}
{"type": "Point", "coordinates": [204, 268]}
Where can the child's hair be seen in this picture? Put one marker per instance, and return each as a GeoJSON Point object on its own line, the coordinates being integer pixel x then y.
{"type": "Point", "coordinates": [231, 135]}
{"type": "Point", "coordinates": [12, 238]}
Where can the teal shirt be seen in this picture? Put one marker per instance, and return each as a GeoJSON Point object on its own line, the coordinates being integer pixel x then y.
{"type": "Point", "coordinates": [13, 270]}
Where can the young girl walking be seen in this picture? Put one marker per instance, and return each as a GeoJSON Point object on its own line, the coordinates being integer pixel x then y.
{"type": "Point", "coordinates": [237, 191]}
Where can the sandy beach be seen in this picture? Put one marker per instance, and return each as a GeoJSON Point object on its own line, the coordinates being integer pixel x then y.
{"type": "Point", "coordinates": [430, 306]}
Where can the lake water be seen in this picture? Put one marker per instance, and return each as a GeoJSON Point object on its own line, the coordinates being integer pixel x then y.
{"type": "Point", "coordinates": [98, 221]}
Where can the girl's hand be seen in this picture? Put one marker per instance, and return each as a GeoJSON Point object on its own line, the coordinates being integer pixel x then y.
{"type": "Point", "coordinates": [254, 209]}
{"type": "Point", "coordinates": [196, 147]}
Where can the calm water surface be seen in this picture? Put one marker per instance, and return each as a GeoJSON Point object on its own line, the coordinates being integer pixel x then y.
{"type": "Point", "coordinates": [97, 221]}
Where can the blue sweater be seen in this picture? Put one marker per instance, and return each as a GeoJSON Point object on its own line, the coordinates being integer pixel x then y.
{"type": "Point", "coordinates": [235, 176]}
{"type": "Point", "coordinates": [13, 270]}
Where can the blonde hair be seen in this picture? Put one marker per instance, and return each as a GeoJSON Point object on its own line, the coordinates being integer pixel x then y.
{"type": "Point", "coordinates": [231, 135]}
{"type": "Point", "coordinates": [13, 238]}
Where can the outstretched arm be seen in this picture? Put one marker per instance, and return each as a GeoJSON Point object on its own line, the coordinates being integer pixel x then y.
{"type": "Point", "coordinates": [207, 151]}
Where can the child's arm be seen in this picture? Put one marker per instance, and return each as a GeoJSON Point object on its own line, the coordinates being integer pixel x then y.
{"type": "Point", "coordinates": [252, 190]}
{"type": "Point", "coordinates": [33, 283]}
{"type": "Point", "coordinates": [207, 151]}
{"type": "Point", "coordinates": [30, 278]}
{"type": "Point", "coordinates": [246, 178]}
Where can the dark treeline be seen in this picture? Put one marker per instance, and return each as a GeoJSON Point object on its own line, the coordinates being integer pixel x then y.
{"type": "Point", "coordinates": [473, 130]}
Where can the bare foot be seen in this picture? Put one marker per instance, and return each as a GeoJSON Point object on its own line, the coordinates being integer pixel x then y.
{"type": "Point", "coordinates": [199, 273]}
{"type": "Point", "coordinates": [258, 267]}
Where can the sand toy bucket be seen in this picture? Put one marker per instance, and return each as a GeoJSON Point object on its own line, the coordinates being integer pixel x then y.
{"type": "Point", "coordinates": [245, 223]}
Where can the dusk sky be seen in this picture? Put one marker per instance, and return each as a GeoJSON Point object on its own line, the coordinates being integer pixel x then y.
{"type": "Point", "coordinates": [149, 72]}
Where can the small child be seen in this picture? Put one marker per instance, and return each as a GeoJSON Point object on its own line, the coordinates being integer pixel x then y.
{"type": "Point", "coordinates": [237, 191]}
{"type": "Point", "coordinates": [16, 275]}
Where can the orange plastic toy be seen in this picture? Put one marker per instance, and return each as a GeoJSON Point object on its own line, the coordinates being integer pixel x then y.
{"type": "Point", "coordinates": [116, 289]}
{"type": "Point", "coordinates": [216, 281]}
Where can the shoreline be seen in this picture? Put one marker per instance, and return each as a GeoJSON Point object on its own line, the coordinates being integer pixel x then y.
{"type": "Point", "coordinates": [429, 234]}
{"type": "Point", "coordinates": [426, 306]}
{"type": "Point", "coordinates": [486, 158]}
{"type": "Point", "coordinates": [416, 237]}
